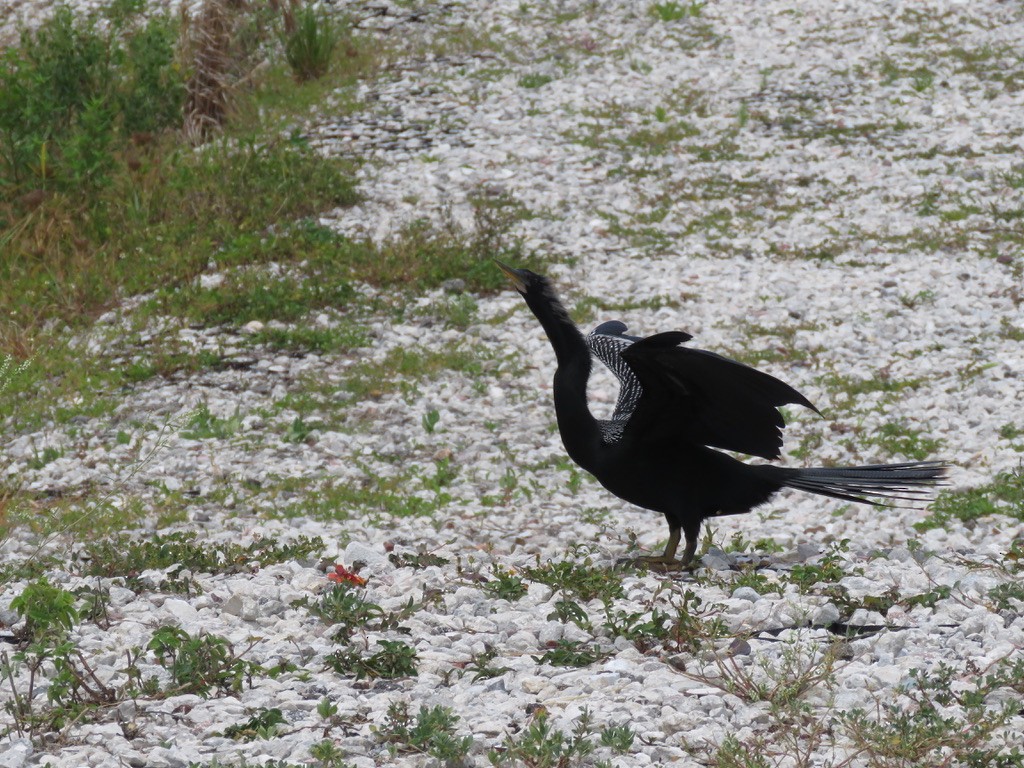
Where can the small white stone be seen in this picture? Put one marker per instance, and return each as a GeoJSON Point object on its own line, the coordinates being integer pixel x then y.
{"type": "Point", "coordinates": [373, 557]}
{"type": "Point", "coordinates": [16, 753]}
{"type": "Point", "coordinates": [826, 615]}
{"type": "Point", "coordinates": [182, 611]}
{"type": "Point", "coordinates": [211, 281]}
{"type": "Point", "coordinates": [242, 606]}
{"type": "Point", "coordinates": [746, 593]}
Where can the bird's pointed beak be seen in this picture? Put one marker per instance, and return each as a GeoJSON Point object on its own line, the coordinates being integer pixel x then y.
{"type": "Point", "coordinates": [514, 275]}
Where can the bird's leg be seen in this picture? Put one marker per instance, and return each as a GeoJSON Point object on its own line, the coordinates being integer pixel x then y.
{"type": "Point", "coordinates": [666, 561]}
{"type": "Point", "coordinates": [689, 551]}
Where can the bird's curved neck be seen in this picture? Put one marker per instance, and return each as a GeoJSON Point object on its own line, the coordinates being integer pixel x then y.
{"type": "Point", "coordinates": [576, 424]}
{"type": "Point", "coordinates": [578, 427]}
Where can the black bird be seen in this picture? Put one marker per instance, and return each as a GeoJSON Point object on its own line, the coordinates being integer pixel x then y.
{"type": "Point", "coordinates": [676, 406]}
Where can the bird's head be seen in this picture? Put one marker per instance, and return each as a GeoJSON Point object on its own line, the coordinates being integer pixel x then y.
{"type": "Point", "coordinates": [539, 293]}
{"type": "Point", "coordinates": [522, 279]}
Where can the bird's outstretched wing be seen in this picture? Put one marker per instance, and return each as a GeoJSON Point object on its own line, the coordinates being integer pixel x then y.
{"type": "Point", "coordinates": [606, 343]}
{"type": "Point", "coordinates": [704, 398]}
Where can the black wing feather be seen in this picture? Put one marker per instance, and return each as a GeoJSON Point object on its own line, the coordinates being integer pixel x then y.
{"type": "Point", "coordinates": [706, 399]}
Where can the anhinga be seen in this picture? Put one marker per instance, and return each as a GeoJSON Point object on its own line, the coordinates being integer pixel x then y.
{"type": "Point", "coordinates": [677, 405]}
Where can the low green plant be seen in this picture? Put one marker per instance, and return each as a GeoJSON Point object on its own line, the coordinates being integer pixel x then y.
{"type": "Point", "coordinates": [431, 732]}
{"type": "Point", "coordinates": [1008, 596]}
{"type": "Point", "coordinates": [568, 653]}
{"type": "Point", "coordinates": [327, 754]}
{"type": "Point", "coordinates": [534, 80]}
{"type": "Point", "coordinates": [783, 680]}
{"type": "Point", "coordinates": [265, 724]}
{"type": "Point", "coordinates": [394, 659]}
{"type": "Point", "coordinates": [203, 664]}
{"type": "Point", "coordinates": [674, 11]}
{"type": "Point", "coordinates": [644, 628]}
{"type": "Point", "coordinates": [1004, 495]}
{"type": "Point", "coordinates": [931, 597]}
{"type": "Point", "coordinates": [749, 576]}
{"type": "Point", "coordinates": [309, 40]}
{"type": "Point", "coordinates": [828, 569]}
{"type": "Point", "coordinates": [458, 311]}
{"type": "Point", "coordinates": [326, 708]}
{"type": "Point", "coordinates": [687, 627]}
{"type": "Point", "coordinates": [733, 753]}
{"type": "Point", "coordinates": [582, 580]}
{"type": "Point", "coordinates": [481, 667]}
{"type": "Point", "coordinates": [618, 737]}
{"type": "Point", "coordinates": [48, 611]}
{"type": "Point", "coordinates": [539, 745]}
{"type": "Point", "coordinates": [567, 610]}
{"type": "Point", "coordinates": [299, 430]}
{"type": "Point", "coordinates": [73, 688]}
{"type": "Point", "coordinates": [445, 472]}
{"type": "Point", "coordinates": [203, 425]}
{"type": "Point", "coordinates": [40, 460]}
{"type": "Point", "coordinates": [126, 555]}
{"type": "Point", "coordinates": [505, 585]}
{"type": "Point", "coordinates": [739, 543]}
{"type": "Point", "coordinates": [920, 77]}
{"type": "Point", "coordinates": [430, 419]}
{"type": "Point", "coordinates": [417, 560]}
{"type": "Point", "coordinates": [345, 607]}
{"type": "Point", "coordinates": [942, 717]}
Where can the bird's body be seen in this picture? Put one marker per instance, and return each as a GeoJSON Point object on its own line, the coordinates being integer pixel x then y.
{"type": "Point", "coordinates": [676, 406]}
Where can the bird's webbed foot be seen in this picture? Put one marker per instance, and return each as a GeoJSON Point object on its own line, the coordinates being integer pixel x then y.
{"type": "Point", "coordinates": [658, 563]}
{"type": "Point", "coordinates": [666, 562]}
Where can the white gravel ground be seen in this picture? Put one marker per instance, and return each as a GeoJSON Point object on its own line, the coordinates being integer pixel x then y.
{"type": "Point", "coordinates": [832, 189]}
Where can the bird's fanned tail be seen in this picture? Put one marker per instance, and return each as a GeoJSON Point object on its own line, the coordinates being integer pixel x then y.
{"type": "Point", "coordinates": [881, 485]}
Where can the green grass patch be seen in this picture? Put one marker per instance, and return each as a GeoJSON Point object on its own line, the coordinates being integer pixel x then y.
{"type": "Point", "coordinates": [897, 439]}
{"type": "Point", "coordinates": [300, 339]}
{"type": "Point", "coordinates": [411, 491]}
{"type": "Point", "coordinates": [71, 95]}
{"type": "Point", "coordinates": [70, 259]}
{"type": "Point", "coordinates": [535, 80]}
{"type": "Point", "coordinates": [99, 195]}
{"type": "Point", "coordinates": [581, 580]}
{"type": "Point", "coordinates": [346, 608]}
{"type": "Point", "coordinates": [851, 388]}
{"type": "Point", "coordinates": [569, 653]}
{"type": "Point", "coordinates": [431, 732]}
{"type": "Point", "coordinates": [658, 141]}
{"type": "Point", "coordinates": [201, 664]}
{"type": "Point", "coordinates": [395, 659]}
{"type": "Point", "coordinates": [1004, 495]}
{"type": "Point", "coordinates": [309, 40]}
{"type": "Point", "coordinates": [125, 555]}
{"type": "Point", "coordinates": [203, 425]}
{"type": "Point", "coordinates": [675, 11]}
{"type": "Point", "coordinates": [403, 367]}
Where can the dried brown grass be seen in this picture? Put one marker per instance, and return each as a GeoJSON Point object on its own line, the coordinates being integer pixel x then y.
{"type": "Point", "coordinates": [207, 44]}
